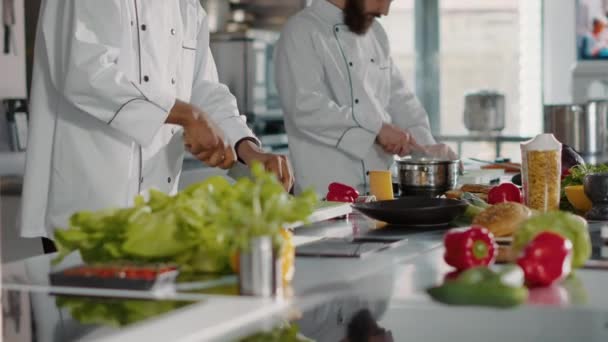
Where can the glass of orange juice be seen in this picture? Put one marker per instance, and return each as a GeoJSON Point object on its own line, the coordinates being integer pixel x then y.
{"type": "Point", "coordinates": [381, 184]}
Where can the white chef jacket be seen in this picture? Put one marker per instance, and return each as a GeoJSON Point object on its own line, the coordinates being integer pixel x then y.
{"type": "Point", "coordinates": [106, 74]}
{"type": "Point", "coordinates": [337, 89]}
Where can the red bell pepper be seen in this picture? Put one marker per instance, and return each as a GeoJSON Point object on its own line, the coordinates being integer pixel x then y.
{"type": "Point", "coordinates": [469, 247]}
{"type": "Point", "coordinates": [339, 192]}
{"type": "Point", "coordinates": [546, 259]}
{"type": "Point", "coordinates": [338, 197]}
{"type": "Point", "coordinates": [343, 189]}
{"type": "Point", "coordinates": [505, 192]}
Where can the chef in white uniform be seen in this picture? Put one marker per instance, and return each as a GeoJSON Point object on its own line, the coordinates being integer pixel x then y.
{"type": "Point", "coordinates": [347, 107]}
{"type": "Point", "coordinates": [121, 88]}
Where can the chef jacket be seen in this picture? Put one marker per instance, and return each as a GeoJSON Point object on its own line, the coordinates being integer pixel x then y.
{"type": "Point", "coordinates": [106, 75]}
{"type": "Point", "coordinates": [337, 88]}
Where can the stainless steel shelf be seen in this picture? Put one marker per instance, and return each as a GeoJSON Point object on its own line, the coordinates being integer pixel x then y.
{"type": "Point", "coordinates": [498, 140]}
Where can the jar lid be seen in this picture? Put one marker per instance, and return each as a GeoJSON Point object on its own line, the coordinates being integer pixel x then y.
{"type": "Point", "coordinates": [542, 142]}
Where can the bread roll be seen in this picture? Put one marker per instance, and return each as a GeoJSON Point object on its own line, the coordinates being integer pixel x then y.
{"type": "Point", "coordinates": [503, 219]}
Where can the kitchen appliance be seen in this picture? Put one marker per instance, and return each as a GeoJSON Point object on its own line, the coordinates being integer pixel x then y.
{"type": "Point", "coordinates": [218, 12]}
{"type": "Point", "coordinates": [581, 126]}
{"type": "Point", "coordinates": [17, 123]}
{"type": "Point", "coordinates": [427, 177]}
{"type": "Point", "coordinates": [484, 111]}
{"type": "Point", "coordinates": [264, 14]}
{"type": "Point", "coordinates": [245, 63]}
{"type": "Point", "coordinates": [8, 19]}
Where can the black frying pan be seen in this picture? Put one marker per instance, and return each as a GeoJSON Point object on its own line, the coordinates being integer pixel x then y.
{"type": "Point", "coordinates": [415, 211]}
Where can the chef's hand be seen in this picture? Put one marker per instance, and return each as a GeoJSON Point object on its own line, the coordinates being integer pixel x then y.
{"type": "Point", "coordinates": [443, 151]}
{"type": "Point", "coordinates": [203, 138]}
{"type": "Point", "coordinates": [395, 140]}
{"type": "Point", "coordinates": [440, 151]}
{"type": "Point", "coordinates": [248, 152]}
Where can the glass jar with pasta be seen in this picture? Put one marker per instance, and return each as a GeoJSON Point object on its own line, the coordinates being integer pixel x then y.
{"type": "Point", "coordinates": [541, 172]}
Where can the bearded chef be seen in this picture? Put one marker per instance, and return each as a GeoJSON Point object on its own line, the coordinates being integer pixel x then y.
{"type": "Point", "coordinates": [347, 107]}
{"type": "Point", "coordinates": [121, 88]}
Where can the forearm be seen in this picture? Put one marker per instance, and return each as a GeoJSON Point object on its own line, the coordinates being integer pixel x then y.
{"type": "Point", "coordinates": [182, 114]}
{"type": "Point", "coordinates": [247, 150]}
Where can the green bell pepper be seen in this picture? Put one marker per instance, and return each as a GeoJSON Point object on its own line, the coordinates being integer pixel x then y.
{"type": "Point", "coordinates": [481, 286]}
{"type": "Point", "coordinates": [568, 225]}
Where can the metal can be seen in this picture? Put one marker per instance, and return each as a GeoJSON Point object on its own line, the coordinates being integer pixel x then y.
{"type": "Point", "coordinates": [259, 270]}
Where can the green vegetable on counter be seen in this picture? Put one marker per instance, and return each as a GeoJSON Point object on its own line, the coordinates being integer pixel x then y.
{"type": "Point", "coordinates": [577, 173]}
{"type": "Point", "coordinates": [576, 176]}
{"type": "Point", "coordinates": [475, 206]}
{"type": "Point", "coordinates": [287, 333]}
{"type": "Point", "coordinates": [115, 312]}
{"type": "Point", "coordinates": [568, 225]}
{"type": "Point", "coordinates": [198, 229]}
{"type": "Point", "coordinates": [482, 286]}
{"type": "Point", "coordinates": [475, 200]}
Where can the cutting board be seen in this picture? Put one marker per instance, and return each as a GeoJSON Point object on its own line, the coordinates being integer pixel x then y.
{"type": "Point", "coordinates": [325, 211]}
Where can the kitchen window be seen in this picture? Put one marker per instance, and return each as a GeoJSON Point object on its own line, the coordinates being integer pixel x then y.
{"type": "Point", "coordinates": [477, 44]}
{"type": "Point", "coordinates": [399, 26]}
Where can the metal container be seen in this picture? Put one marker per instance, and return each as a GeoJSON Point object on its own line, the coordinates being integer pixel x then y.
{"type": "Point", "coordinates": [484, 111]}
{"type": "Point", "coordinates": [427, 177]}
{"type": "Point", "coordinates": [260, 270]}
{"type": "Point", "coordinates": [581, 126]}
{"type": "Point", "coordinates": [218, 13]}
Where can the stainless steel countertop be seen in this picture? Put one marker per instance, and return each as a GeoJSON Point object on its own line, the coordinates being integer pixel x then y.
{"type": "Point", "coordinates": [391, 285]}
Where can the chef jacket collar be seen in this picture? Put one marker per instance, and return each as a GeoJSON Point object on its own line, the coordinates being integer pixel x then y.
{"type": "Point", "coordinates": [328, 11]}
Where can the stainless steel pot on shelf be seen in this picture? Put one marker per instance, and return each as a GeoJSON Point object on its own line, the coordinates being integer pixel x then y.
{"type": "Point", "coordinates": [581, 126]}
{"type": "Point", "coordinates": [484, 111]}
{"type": "Point", "coordinates": [427, 177]}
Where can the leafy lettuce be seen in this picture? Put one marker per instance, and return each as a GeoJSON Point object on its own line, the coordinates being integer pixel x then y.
{"type": "Point", "coordinates": [198, 229]}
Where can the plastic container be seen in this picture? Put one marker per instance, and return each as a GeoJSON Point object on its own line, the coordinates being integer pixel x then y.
{"type": "Point", "coordinates": [123, 276]}
{"type": "Point", "coordinates": [541, 172]}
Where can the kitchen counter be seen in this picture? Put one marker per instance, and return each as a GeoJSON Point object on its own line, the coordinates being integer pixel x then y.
{"type": "Point", "coordinates": [386, 288]}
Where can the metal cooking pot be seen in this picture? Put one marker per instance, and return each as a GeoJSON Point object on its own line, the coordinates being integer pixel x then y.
{"type": "Point", "coordinates": [427, 177]}
{"type": "Point", "coordinates": [582, 126]}
{"type": "Point", "coordinates": [484, 111]}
